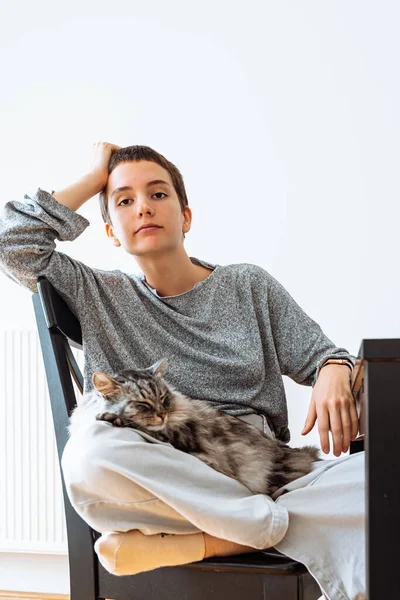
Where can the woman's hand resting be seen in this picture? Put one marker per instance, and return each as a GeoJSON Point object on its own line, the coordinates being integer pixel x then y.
{"type": "Point", "coordinates": [333, 404]}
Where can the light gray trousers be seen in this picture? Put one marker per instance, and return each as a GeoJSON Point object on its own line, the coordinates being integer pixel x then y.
{"type": "Point", "coordinates": [119, 479]}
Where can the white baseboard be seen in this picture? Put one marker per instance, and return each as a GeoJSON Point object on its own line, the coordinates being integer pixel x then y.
{"type": "Point", "coordinates": [6, 595]}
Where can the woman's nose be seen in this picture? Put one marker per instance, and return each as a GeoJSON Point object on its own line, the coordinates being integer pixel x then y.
{"type": "Point", "coordinates": [143, 207]}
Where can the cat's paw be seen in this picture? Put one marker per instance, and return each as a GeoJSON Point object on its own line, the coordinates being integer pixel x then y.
{"type": "Point", "coordinates": [111, 418]}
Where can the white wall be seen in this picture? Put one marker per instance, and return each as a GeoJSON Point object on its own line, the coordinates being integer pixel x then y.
{"type": "Point", "coordinates": [282, 117]}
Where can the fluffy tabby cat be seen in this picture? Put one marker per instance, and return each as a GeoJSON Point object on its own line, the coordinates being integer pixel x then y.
{"type": "Point", "coordinates": [143, 400]}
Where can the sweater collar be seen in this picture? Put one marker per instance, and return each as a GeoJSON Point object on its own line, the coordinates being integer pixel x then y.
{"type": "Point", "coordinates": [196, 261]}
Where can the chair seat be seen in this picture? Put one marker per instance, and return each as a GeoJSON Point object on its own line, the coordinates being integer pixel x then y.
{"type": "Point", "coordinates": [265, 575]}
{"type": "Point", "coordinates": [265, 561]}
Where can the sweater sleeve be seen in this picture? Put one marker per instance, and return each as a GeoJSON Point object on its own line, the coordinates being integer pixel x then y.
{"type": "Point", "coordinates": [300, 343]}
{"type": "Point", "coordinates": [27, 247]}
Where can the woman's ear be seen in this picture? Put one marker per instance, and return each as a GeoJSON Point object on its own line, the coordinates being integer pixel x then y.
{"type": "Point", "coordinates": [187, 220]}
{"type": "Point", "coordinates": [110, 234]}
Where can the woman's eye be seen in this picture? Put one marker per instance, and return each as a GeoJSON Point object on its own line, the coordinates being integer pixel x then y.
{"type": "Point", "coordinates": [127, 199]}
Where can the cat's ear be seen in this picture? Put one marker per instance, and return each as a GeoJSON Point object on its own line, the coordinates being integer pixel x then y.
{"type": "Point", "coordinates": [106, 385]}
{"type": "Point", "coordinates": [160, 367]}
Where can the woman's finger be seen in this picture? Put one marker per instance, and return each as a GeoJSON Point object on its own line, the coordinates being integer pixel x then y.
{"type": "Point", "coordinates": [336, 428]}
{"type": "Point", "coordinates": [323, 426]}
{"type": "Point", "coordinates": [354, 419]}
{"type": "Point", "coordinates": [346, 427]}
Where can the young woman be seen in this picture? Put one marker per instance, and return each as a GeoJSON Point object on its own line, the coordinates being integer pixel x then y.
{"type": "Point", "coordinates": [230, 332]}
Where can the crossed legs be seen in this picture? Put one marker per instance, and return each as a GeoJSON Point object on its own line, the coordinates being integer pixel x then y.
{"type": "Point", "coordinates": [119, 482]}
{"type": "Point", "coordinates": [131, 489]}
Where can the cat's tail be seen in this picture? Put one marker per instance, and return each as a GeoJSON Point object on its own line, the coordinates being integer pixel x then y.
{"type": "Point", "coordinates": [312, 451]}
{"type": "Point", "coordinates": [293, 463]}
{"type": "Point", "coordinates": [301, 459]}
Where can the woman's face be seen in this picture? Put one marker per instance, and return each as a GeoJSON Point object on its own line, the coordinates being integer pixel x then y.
{"type": "Point", "coordinates": [155, 203]}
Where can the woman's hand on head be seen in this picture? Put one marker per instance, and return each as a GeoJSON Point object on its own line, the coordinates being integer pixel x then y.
{"type": "Point", "coordinates": [102, 152]}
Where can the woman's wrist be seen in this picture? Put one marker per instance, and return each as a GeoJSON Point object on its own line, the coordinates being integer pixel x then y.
{"type": "Point", "coordinates": [329, 365]}
{"type": "Point", "coordinates": [79, 192]}
{"type": "Point", "coordinates": [337, 369]}
{"type": "Point", "coordinates": [338, 362]}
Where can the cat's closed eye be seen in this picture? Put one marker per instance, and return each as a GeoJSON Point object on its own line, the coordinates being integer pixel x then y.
{"type": "Point", "coordinates": [143, 406]}
{"type": "Point", "coordinates": [166, 401]}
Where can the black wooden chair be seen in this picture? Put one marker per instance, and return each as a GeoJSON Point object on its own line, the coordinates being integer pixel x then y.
{"type": "Point", "coordinates": [266, 574]}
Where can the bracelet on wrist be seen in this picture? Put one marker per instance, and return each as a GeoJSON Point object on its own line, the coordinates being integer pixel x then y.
{"type": "Point", "coordinates": [338, 361]}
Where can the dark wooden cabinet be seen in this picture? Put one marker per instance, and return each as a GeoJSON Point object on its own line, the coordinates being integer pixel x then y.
{"type": "Point", "coordinates": [376, 388]}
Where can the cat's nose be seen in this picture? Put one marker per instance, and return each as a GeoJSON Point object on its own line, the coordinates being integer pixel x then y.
{"type": "Point", "coordinates": [163, 415]}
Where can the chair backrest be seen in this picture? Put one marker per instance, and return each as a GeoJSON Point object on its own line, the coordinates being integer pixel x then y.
{"type": "Point", "coordinates": [59, 329]}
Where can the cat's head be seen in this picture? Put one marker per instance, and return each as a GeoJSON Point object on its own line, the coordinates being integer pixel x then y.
{"type": "Point", "coordinates": [136, 396]}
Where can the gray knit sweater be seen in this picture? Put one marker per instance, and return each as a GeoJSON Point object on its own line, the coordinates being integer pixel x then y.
{"type": "Point", "coordinates": [228, 340]}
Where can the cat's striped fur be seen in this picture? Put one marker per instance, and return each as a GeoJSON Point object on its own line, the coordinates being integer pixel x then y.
{"type": "Point", "coordinates": [144, 400]}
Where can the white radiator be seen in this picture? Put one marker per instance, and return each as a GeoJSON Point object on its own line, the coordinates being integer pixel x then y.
{"type": "Point", "coordinates": [31, 503]}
